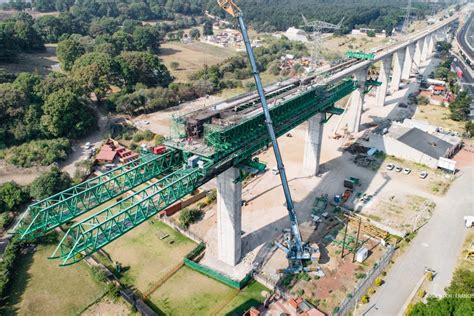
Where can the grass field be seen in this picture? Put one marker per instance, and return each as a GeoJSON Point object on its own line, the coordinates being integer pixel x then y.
{"type": "Point", "coordinates": [248, 297]}
{"type": "Point", "coordinates": [188, 292]}
{"type": "Point", "coordinates": [145, 256]}
{"type": "Point", "coordinates": [39, 63]}
{"type": "Point", "coordinates": [438, 116]}
{"type": "Point", "coordinates": [192, 57]}
{"type": "Point", "coordinates": [40, 287]}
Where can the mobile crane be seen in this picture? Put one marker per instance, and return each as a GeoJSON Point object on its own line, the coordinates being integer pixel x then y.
{"type": "Point", "coordinates": [298, 252]}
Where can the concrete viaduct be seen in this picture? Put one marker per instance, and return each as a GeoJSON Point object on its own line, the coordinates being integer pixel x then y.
{"type": "Point", "coordinates": [398, 61]}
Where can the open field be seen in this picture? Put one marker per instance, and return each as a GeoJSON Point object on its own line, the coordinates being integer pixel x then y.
{"type": "Point", "coordinates": [145, 257]}
{"type": "Point", "coordinates": [188, 292]}
{"type": "Point", "coordinates": [40, 63]}
{"type": "Point", "coordinates": [334, 46]}
{"type": "Point", "coordinates": [191, 57]}
{"type": "Point", "coordinates": [108, 307]}
{"type": "Point", "coordinates": [438, 116]}
{"type": "Point", "coordinates": [40, 287]}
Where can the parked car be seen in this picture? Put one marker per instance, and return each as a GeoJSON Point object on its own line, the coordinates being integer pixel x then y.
{"type": "Point", "coordinates": [423, 174]}
{"type": "Point", "coordinates": [275, 170]}
{"type": "Point", "coordinates": [406, 170]}
{"type": "Point", "coordinates": [398, 168]}
{"type": "Point", "coordinates": [390, 166]}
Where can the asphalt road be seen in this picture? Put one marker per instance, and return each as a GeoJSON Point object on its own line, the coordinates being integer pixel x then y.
{"type": "Point", "coordinates": [437, 246]}
{"type": "Point", "coordinates": [465, 38]}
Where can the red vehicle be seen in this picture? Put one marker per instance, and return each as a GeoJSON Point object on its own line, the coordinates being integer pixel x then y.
{"type": "Point", "coordinates": [459, 72]}
{"type": "Point", "coordinates": [158, 150]}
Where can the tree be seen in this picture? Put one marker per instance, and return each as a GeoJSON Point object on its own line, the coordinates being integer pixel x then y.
{"type": "Point", "coordinates": [50, 183]}
{"type": "Point", "coordinates": [146, 38]}
{"type": "Point", "coordinates": [370, 33]}
{"type": "Point", "coordinates": [65, 115]}
{"type": "Point", "coordinates": [11, 196]}
{"type": "Point", "coordinates": [97, 72]}
{"type": "Point", "coordinates": [207, 28]}
{"type": "Point", "coordinates": [68, 51]}
{"type": "Point", "coordinates": [460, 108]}
{"type": "Point", "coordinates": [195, 34]}
{"type": "Point", "coordinates": [189, 216]}
{"type": "Point", "coordinates": [143, 67]}
{"type": "Point", "coordinates": [50, 28]}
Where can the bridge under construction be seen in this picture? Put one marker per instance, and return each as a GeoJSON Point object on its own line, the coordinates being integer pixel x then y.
{"type": "Point", "coordinates": [220, 142]}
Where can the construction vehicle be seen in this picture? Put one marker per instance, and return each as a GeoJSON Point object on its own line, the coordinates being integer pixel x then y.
{"type": "Point", "coordinates": [296, 250]}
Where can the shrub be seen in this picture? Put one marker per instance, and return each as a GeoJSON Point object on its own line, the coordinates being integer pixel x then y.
{"type": "Point", "coordinates": [158, 139]}
{"type": "Point", "coordinates": [7, 262]}
{"type": "Point", "coordinates": [11, 196]}
{"type": "Point", "coordinates": [189, 216]}
{"type": "Point", "coordinates": [211, 196]}
{"type": "Point", "coordinates": [38, 152]}
{"type": "Point", "coordinates": [50, 183]}
{"type": "Point", "coordinates": [429, 276]}
{"type": "Point", "coordinates": [421, 293]}
{"type": "Point", "coordinates": [138, 137]}
{"type": "Point", "coordinates": [360, 275]}
{"type": "Point", "coordinates": [148, 135]}
{"type": "Point", "coordinates": [371, 291]}
{"type": "Point", "coordinates": [300, 292]}
{"type": "Point", "coordinates": [133, 146]}
{"type": "Point", "coordinates": [378, 281]}
{"type": "Point", "coordinates": [364, 299]}
{"type": "Point", "coordinates": [422, 100]}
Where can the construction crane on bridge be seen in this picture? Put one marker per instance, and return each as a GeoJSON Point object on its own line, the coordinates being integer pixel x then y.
{"type": "Point", "coordinates": [297, 251]}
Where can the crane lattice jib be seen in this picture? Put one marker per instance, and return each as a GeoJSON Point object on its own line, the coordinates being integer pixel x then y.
{"type": "Point", "coordinates": [286, 115]}
{"type": "Point", "coordinates": [98, 230]}
{"type": "Point", "coordinates": [50, 213]}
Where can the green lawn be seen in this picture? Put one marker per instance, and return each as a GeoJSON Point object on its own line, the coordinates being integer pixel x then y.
{"type": "Point", "coordinates": [147, 258]}
{"type": "Point", "coordinates": [40, 287]}
{"type": "Point", "coordinates": [188, 292]}
{"type": "Point", "coordinates": [250, 296]}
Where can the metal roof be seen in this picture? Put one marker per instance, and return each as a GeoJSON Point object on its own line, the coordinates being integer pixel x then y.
{"type": "Point", "coordinates": [428, 144]}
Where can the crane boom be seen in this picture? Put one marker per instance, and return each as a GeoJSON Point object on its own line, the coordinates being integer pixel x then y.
{"type": "Point", "coordinates": [297, 251]}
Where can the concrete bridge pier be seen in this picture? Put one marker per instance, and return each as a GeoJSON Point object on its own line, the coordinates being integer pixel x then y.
{"type": "Point", "coordinates": [409, 56]}
{"type": "Point", "coordinates": [229, 218]}
{"type": "Point", "coordinates": [398, 60]}
{"type": "Point", "coordinates": [313, 143]}
{"type": "Point", "coordinates": [424, 51]}
{"type": "Point", "coordinates": [431, 45]}
{"type": "Point", "coordinates": [357, 101]}
{"type": "Point", "coordinates": [384, 77]}
{"type": "Point", "coordinates": [418, 49]}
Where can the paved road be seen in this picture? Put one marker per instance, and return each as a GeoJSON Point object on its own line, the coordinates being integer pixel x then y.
{"type": "Point", "coordinates": [465, 38]}
{"type": "Point", "coordinates": [437, 246]}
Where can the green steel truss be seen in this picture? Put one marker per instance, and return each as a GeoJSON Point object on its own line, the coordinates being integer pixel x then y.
{"type": "Point", "coordinates": [286, 115]}
{"type": "Point", "coordinates": [54, 211]}
{"type": "Point", "coordinates": [360, 55]}
{"type": "Point", "coordinates": [234, 146]}
{"type": "Point", "coordinates": [98, 230]}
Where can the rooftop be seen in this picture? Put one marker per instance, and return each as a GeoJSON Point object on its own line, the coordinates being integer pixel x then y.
{"type": "Point", "coordinates": [427, 143]}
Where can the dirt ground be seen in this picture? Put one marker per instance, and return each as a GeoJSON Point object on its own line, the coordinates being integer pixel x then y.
{"type": "Point", "coordinates": [191, 57]}
{"type": "Point", "coordinates": [23, 176]}
{"type": "Point", "coordinates": [106, 307]}
{"type": "Point", "coordinates": [338, 45]}
{"type": "Point", "coordinates": [438, 116]}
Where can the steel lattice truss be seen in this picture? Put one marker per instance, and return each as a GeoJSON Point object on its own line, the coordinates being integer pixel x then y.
{"type": "Point", "coordinates": [58, 209]}
{"type": "Point", "coordinates": [233, 145]}
{"type": "Point", "coordinates": [285, 116]}
{"type": "Point", "coordinates": [98, 230]}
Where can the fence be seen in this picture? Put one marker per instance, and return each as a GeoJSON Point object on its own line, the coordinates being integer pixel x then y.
{"type": "Point", "coordinates": [348, 305]}
{"type": "Point", "coordinates": [187, 233]}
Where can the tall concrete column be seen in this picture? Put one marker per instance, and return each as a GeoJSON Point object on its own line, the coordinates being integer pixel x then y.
{"type": "Point", "coordinates": [312, 146]}
{"type": "Point", "coordinates": [357, 102]}
{"type": "Point", "coordinates": [409, 55]}
{"type": "Point", "coordinates": [418, 50]}
{"type": "Point", "coordinates": [398, 60]}
{"type": "Point", "coordinates": [384, 77]}
{"type": "Point", "coordinates": [431, 44]}
{"type": "Point", "coordinates": [229, 218]}
{"type": "Point", "coordinates": [424, 51]}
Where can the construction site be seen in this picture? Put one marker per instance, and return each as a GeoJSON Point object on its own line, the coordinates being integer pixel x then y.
{"type": "Point", "coordinates": [319, 246]}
